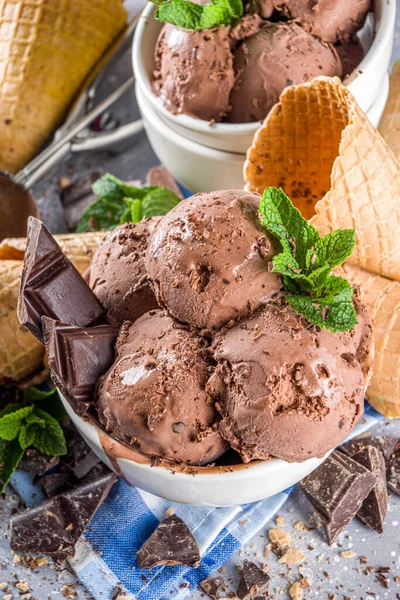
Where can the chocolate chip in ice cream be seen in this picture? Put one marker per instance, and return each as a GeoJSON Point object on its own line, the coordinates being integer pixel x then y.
{"type": "Point", "coordinates": [172, 543]}
{"type": "Point", "coordinates": [52, 287]}
{"type": "Point", "coordinates": [253, 581]}
{"type": "Point", "coordinates": [337, 489]}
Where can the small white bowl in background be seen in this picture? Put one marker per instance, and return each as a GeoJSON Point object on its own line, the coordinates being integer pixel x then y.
{"type": "Point", "coordinates": [248, 483]}
{"type": "Point", "coordinates": [204, 157]}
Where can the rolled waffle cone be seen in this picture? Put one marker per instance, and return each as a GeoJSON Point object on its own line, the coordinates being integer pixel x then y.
{"type": "Point", "coordinates": [319, 146]}
{"type": "Point", "coordinates": [20, 353]}
{"type": "Point", "coordinates": [389, 126]}
{"type": "Point", "coordinates": [47, 49]}
{"type": "Point", "coordinates": [79, 247]}
{"type": "Point", "coordinates": [382, 296]}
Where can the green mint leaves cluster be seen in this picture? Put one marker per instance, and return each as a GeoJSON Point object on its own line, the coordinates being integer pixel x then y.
{"type": "Point", "coordinates": [32, 423]}
{"type": "Point", "coordinates": [306, 262]}
{"type": "Point", "coordinates": [188, 15]}
{"type": "Point", "coordinates": [120, 203]}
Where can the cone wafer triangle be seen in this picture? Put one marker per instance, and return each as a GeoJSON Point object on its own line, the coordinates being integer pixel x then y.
{"type": "Point", "coordinates": [48, 48]}
{"type": "Point", "coordinates": [382, 296]}
{"type": "Point", "coordinates": [389, 126]}
{"type": "Point", "coordinates": [318, 145]}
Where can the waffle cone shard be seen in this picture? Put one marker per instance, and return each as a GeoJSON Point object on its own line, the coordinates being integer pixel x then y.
{"type": "Point", "coordinates": [382, 296]}
{"type": "Point", "coordinates": [47, 49]}
{"type": "Point", "coordinates": [20, 353]}
{"type": "Point", "coordinates": [319, 146]}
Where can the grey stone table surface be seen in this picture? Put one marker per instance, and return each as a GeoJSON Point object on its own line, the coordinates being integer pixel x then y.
{"type": "Point", "coordinates": [328, 571]}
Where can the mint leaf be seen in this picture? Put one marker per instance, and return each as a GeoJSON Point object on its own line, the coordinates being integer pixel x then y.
{"type": "Point", "coordinates": [306, 262]}
{"type": "Point", "coordinates": [103, 214]}
{"type": "Point", "coordinates": [11, 454]}
{"type": "Point", "coordinates": [10, 423]}
{"type": "Point", "coordinates": [331, 307]}
{"type": "Point", "coordinates": [26, 436]}
{"type": "Point", "coordinates": [48, 401]}
{"type": "Point", "coordinates": [49, 440]}
{"type": "Point", "coordinates": [286, 224]}
{"type": "Point", "coordinates": [135, 210]}
{"type": "Point", "coordinates": [189, 15]}
{"type": "Point", "coordinates": [158, 202]}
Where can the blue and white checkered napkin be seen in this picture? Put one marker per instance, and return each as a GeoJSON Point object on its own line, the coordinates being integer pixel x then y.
{"type": "Point", "coordinates": [106, 557]}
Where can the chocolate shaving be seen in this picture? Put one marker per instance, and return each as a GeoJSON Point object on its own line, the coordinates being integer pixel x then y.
{"type": "Point", "coordinates": [172, 543]}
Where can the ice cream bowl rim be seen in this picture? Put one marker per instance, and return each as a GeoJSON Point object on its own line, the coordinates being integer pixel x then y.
{"type": "Point", "coordinates": [364, 83]}
{"type": "Point", "coordinates": [207, 486]}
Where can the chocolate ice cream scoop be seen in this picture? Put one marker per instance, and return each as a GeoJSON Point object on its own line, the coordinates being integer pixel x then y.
{"type": "Point", "coordinates": [118, 275]}
{"type": "Point", "coordinates": [285, 388]}
{"type": "Point", "coordinates": [330, 20]}
{"type": "Point", "coordinates": [208, 259]}
{"type": "Point", "coordinates": [194, 71]}
{"type": "Point", "coordinates": [280, 54]}
{"type": "Point", "coordinates": [154, 397]}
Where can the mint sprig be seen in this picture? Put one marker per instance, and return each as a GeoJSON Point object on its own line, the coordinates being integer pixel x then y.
{"type": "Point", "coordinates": [306, 262]}
{"type": "Point", "coordinates": [192, 16]}
{"type": "Point", "coordinates": [120, 203]}
{"type": "Point", "coordinates": [27, 424]}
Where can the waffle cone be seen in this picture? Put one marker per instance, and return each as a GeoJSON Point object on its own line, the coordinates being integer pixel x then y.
{"type": "Point", "coordinates": [47, 49]}
{"type": "Point", "coordinates": [319, 146]}
{"type": "Point", "coordinates": [79, 247]}
{"type": "Point", "coordinates": [20, 353]}
{"type": "Point", "coordinates": [389, 126]}
{"type": "Point", "coordinates": [382, 296]}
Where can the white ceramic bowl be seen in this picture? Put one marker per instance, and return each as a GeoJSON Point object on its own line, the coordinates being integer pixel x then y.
{"type": "Point", "coordinates": [365, 84]}
{"type": "Point", "coordinates": [248, 483]}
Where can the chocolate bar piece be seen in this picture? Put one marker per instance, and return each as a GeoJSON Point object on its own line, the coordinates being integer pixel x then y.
{"type": "Point", "coordinates": [172, 543]}
{"type": "Point", "coordinates": [393, 472]}
{"type": "Point", "coordinates": [52, 287]}
{"type": "Point", "coordinates": [80, 459]}
{"type": "Point", "coordinates": [337, 490]}
{"type": "Point", "coordinates": [54, 526]}
{"type": "Point", "coordinates": [54, 483]}
{"type": "Point", "coordinates": [385, 444]}
{"type": "Point", "coordinates": [78, 356]}
{"type": "Point", "coordinates": [374, 508]}
{"type": "Point", "coordinates": [253, 581]}
{"type": "Point", "coordinates": [212, 586]}
{"type": "Point", "coordinates": [162, 177]}
{"type": "Point", "coordinates": [34, 461]}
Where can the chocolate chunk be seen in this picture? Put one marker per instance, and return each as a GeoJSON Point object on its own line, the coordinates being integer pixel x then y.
{"type": "Point", "coordinates": [79, 189]}
{"type": "Point", "coordinates": [37, 462]}
{"type": "Point", "coordinates": [385, 444]}
{"type": "Point", "coordinates": [172, 543]}
{"type": "Point", "coordinates": [212, 585]}
{"type": "Point", "coordinates": [161, 177]}
{"type": "Point", "coordinates": [393, 471]}
{"type": "Point", "coordinates": [78, 356]}
{"type": "Point", "coordinates": [253, 581]}
{"type": "Point", "coordinates": [54, 526]}
{"type": "Point", "coordinates": [52, 287]}
{"type": "Point", "coordinates": [374, 508]}
{"type": "Point", "coordinates": [337, 490]}
{"type": "Point", "coordinates": [54, 483]}
{"type": "Point", "coordinates": [80, 458]}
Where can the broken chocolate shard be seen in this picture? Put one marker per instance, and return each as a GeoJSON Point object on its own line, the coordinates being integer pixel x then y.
{"type": "Point", "coordinates": [393, 471]}
{"type": "Point", "coordinates": [52, 287]}
{"type": "Point", "coordinates": [79, 189]}
{"type": "Point", "coordinates": [160, 176]}
{"type": "Point", "coordinates": [374, 508]}
{"type": "Point", "coordinates": [172, 543]}
{"type": "Point", "coordinates": [54, 526]}
{"type": "Point", "coordinates": [212, 586]}
{"type": "Point", "coordinates": [337, 489]}
{"type": "Point", "coordinates": [36, 462]}
{"type": "Point", "coordinates": [80, 459]}
{"type": "Point", "coordinates": [385, 444]}
{"type": "Point", "coordinates": [253, 581]}
{"type": "Point", "coordinates": [78, 356]}
{"type": "Point", "coordinates": [54, 483]}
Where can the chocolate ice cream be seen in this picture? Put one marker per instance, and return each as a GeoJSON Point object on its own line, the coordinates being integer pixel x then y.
{"type": "Point", "coordinates": [330, 20]}
{"type": "Point", "coordinates": [208, 259]}
{"type": "Point", "coordinates": [280, 54]}
{"type": "Point", "coordinates": [194, 71]}
{"type": "Point", "coordinates": [285, 388]}
{"type": "Point", "coordinates": [154, 397]}
{"type": "Point", "coordinates": [118, 276]}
